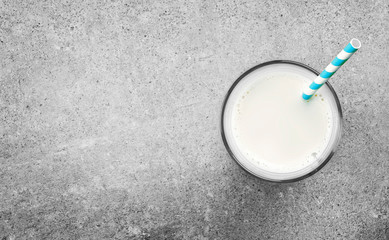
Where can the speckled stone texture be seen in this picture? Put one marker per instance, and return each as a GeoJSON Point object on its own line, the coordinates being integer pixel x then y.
{"type": "Point", "coordinates": [110, 110]}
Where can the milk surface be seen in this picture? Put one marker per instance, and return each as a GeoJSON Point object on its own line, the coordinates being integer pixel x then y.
{"type": "Point", "coordinates": [274, 128]}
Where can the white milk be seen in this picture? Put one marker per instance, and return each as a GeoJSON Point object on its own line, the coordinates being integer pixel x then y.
{"type": "Point", "coordinates": [271, 127]}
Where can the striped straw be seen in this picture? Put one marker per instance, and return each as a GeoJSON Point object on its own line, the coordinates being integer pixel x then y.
{"type": "Point", "coordinates": [342, 57]}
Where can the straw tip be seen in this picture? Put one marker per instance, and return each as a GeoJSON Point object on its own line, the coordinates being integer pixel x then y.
{"type": "Point", "coordinates": [306, 97]}
{"type": "Point", "coordinates": [355, 43]}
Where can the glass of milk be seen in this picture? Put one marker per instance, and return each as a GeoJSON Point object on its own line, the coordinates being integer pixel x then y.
{"type": "Point", "coordinates": [271, 132]}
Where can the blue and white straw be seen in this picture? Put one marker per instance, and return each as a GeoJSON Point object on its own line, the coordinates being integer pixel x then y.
{"type": "Point", "coordinates": [342, 57]}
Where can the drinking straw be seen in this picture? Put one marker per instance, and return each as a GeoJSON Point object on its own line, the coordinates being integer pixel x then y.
{"type": "Point", "coordinates": [339, 60]}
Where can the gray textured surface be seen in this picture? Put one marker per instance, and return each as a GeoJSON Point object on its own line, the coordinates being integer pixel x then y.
{"type": "Point", "coordinates": [110, 120]}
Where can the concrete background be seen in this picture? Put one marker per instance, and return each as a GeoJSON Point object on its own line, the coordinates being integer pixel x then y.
{"type": "Point", "coordinates": [110, 120]}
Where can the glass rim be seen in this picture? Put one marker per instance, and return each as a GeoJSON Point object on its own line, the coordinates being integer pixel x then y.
{"type": "Point", "coordinates": [336, 141]}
